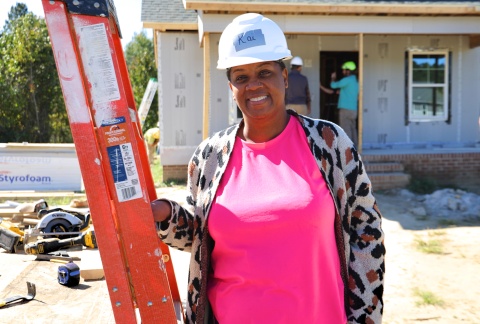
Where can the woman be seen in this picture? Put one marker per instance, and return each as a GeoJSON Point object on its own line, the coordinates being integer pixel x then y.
{"type": "Point", "coordinates": [281, 222]}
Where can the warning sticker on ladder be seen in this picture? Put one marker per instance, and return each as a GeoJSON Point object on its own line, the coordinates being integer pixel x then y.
{"type": "Point", "coordinates": [99, 68]}
{"type": "Point", "coordinates": [122, 161]}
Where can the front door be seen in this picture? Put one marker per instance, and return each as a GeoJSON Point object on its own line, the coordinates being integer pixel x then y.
{"type": "Point", "coordinates": [331, 61]}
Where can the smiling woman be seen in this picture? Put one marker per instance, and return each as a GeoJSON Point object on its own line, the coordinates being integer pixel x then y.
{"type": "Point", "coordinates": [276, 176]}
{"type": "Point", "coordinates": [259, 91]}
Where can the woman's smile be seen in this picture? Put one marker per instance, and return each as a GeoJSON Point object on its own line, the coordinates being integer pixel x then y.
{"type": "Point", "coordinates": [258, 98]}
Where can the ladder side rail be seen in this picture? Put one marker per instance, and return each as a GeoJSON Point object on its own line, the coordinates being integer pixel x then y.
{"type": "Point", "coordinates": [112, 115]}
{"type": "Point", "coordinates": [76, 101]}
{"type": "Point", "coordinates": [127, 88]}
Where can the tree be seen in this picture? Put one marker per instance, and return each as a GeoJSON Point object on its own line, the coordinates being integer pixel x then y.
{"type": "Point", "coordinates": [17, 11]}
{"type": "Point", "coordinates": [140, 59]}
{"type": "Point", "coordinates": [31, 102]}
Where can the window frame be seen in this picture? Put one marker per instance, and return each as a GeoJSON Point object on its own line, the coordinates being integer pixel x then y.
{"type": "Point", "coordinates": [446, 86]}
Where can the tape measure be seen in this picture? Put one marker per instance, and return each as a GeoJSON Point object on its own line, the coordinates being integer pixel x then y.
{"type": "Point", "coordinates": [69, 274]}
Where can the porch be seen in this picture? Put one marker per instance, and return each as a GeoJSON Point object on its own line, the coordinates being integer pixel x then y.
{"type": "Point", "coordinates": [394, 165]}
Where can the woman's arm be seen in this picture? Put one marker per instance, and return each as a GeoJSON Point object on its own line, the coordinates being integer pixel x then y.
{"type": "Point", "coordinates": [367, 264]}
{"type": "Point", "coordinates": [174, 222]}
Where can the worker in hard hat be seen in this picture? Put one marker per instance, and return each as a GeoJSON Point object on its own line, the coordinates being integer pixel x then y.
{"type": "Point", "coordinates": [298, 92]}
{"type": "Point", "coordinates": [348, 99]}
{"type": "Point", "coordinates": [152, 138]}
{"type": "Point", "coordinates": [280, 219]}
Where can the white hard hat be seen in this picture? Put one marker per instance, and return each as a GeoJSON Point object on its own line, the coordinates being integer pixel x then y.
{"type": "Point", "coordinates": [251, 38]}
{"type": "Point", "coordinates": [297, 60]}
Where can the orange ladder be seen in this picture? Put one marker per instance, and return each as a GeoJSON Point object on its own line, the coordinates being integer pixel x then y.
{"type": "Point", "coordinates": [85, 37]}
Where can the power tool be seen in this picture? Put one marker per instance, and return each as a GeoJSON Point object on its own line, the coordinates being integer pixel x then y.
{"type": "Point", "coordinates": [44, 246]}
{"type": "Point", "coordinates": [55, 222]}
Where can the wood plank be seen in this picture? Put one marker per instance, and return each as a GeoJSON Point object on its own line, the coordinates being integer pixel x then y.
{"type": "Point", "coordinates": [330, 8]}
{"type": "Point", "coordinates": [91, 267]}
{"type": "Point", "coordinates": [206, 84]}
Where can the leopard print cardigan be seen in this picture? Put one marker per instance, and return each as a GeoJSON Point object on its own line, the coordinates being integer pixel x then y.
{"type": "Point", "coordinates": [360, 239]}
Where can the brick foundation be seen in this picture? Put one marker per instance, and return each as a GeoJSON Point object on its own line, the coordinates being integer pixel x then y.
{"type": "Point", "coordinates": [461, 170]}
{"type": "Point", "coordinates": [449, 169]}
{"type": "Point", "coordinates": [174, 172]}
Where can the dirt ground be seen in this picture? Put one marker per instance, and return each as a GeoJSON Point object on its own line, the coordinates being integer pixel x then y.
{"type": "Point", "coordinates": [441, 287]}
{"type": "Point", "coordinates": [420, 287]}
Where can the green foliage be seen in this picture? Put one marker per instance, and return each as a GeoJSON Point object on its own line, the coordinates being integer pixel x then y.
{"type": "Point", "coordinates": [32, 107]}
{"type": "Point", "coordinates": [428, 298]}
{"type": "Point", "coordinates": [431, 245]}
{"type": "Point", "coordinates": [140, 59]}
{"type": "Point", "coordinates": [31, 102]}
{"type": "Point", "coordinates": [17, 11]}
{"type": "Point", "coordinates": [157, 173]}
{"type": "Point", "coordinates": [422, 186]}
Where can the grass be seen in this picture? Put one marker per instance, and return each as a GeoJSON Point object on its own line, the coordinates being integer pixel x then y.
{"type": "Point", "coordinates": [433, 244]}
{"type": "Point", "coordinates": [51, 201]}
{"type": "Point", "coordinates": [157, 175]}
{"type": "Point", "coordinates": [447, 222]}
{"type": "Point", "coordinates": [427, 298]}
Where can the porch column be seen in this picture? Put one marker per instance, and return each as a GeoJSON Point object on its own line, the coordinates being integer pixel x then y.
{"type": "Point", "coordinates": [206, 84]}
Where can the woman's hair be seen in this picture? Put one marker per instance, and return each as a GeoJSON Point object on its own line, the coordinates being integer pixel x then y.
{"type": "Point", "coordinates": [280, 62]}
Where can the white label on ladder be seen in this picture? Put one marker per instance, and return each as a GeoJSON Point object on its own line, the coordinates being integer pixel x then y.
{"type": "Point", "coordinates": [98, 63]}
{"type": "Point", "coordinates": [122, 161]}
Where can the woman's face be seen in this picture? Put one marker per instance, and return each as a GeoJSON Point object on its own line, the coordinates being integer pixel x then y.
{"type": "Point", "coordinates": [259, 88]}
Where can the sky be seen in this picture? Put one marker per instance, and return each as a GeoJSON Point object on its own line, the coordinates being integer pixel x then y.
{"type": "Point", "coordinates": [128, 12]}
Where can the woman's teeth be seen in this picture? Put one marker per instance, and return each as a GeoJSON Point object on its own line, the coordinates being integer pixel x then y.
{"type": "Point", "coordinates": [258, 98]}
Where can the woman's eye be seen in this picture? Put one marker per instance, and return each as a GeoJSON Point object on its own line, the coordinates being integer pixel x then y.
{"type": "Point", "coordinates": [265, 73]}
{"type": "Point", "coordinates": [240, 78]}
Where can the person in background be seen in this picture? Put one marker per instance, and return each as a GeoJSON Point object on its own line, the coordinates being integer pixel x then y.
{"type": "Point", "coordinates": [280, 218]}
{"type": "Point", "coordinates": [348, 99]}
{"type": "Point", "coordinates": [298, 93]}
{"type": "Point", "coordinates": [152, 138]}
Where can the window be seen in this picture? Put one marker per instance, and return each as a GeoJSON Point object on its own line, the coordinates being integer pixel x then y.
{"type": "Point", "coordinates": [428, 86]}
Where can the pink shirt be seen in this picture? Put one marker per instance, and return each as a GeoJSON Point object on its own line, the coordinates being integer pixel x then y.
{"type": "Point", "coordinates": [275, 258]}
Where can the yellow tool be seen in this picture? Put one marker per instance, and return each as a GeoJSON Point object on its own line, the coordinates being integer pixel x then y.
{"type": "Point", "coordinates": [45, 246]}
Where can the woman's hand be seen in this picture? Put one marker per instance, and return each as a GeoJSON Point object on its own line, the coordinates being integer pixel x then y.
{"type": "Point", "coordinates": [161, 209]}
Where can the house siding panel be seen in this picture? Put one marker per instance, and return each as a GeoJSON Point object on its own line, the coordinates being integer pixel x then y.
{"type": "Point", "coordinates": [180, 78]}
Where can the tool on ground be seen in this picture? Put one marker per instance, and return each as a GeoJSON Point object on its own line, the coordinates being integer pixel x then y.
{"type": "Point", "coordinates": [69, 274]}
{"type": "Point", "coordinates": [59, 223]}
{"type": "Point", "coordinates": [32, 291]}
{"type": "Point", "coordinates": [10, 236]}
{"type": "Point", "coordinates": [107, 133]}
{"type": "Point", "coordinates": [58, 256]}
{"type": "Point", "coordinates": [56, 222]}
{"type": "Point", "coordinates": [44, 246]}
